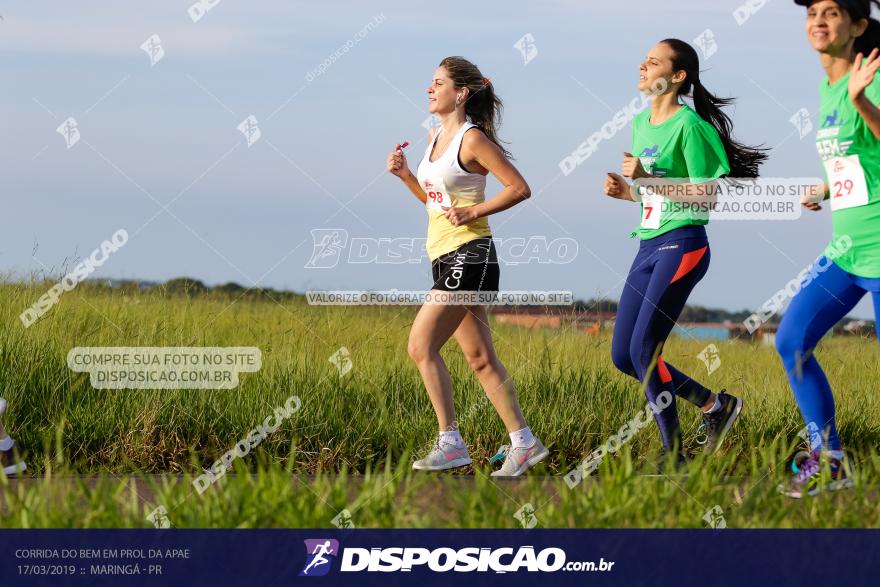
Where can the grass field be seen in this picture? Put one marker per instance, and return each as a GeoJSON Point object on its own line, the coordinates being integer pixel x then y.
{"type": "Point", "coordinates": [350, 445]}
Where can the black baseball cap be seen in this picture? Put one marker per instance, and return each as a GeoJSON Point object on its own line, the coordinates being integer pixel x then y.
{"type": "Point", "coordinates": [855, 8]}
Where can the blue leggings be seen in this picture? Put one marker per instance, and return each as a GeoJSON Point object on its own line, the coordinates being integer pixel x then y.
{"type": "Point", "coordinates": [660, 280]}
{"type": "Point", "coordinates": [827, 297]}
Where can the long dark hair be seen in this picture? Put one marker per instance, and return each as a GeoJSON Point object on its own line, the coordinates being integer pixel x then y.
{"type": "Point", "coordinates": [483, 106]}
{"type": "Point", "coordinates": [744, 160]}
{"type": "Point", "coordinates": [870, 39]}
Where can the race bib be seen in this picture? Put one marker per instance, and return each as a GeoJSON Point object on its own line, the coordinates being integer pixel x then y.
{"type": "Point", "coordinates": [437, 198]}
{"type": "Point", "coordinates": [652, 208]}
{"type": "Point", "coordinates": [846, 181]}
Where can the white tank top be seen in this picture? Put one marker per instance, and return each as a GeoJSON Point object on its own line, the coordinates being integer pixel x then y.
{"type": "Point", "coordinates": [447, 184]}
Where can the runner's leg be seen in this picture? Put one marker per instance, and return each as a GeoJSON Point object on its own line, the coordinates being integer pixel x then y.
{"type": "Point", "coordinates": [816, 308]}
{"type": "Point", "coordinates": [433, 326]}
{"type": "Point", "coordinates": [628, 308]}
{"type": "Point", "coordinates": [475, 339]}
{"type": "Point", "coordinates": [676, 273]}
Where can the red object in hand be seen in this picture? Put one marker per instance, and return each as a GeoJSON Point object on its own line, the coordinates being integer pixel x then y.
{"type": "Point", "coordinates": [403, 146]}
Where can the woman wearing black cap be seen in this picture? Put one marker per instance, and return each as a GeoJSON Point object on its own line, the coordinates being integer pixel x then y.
{"type": "Point", "coordinates": [848, 140]}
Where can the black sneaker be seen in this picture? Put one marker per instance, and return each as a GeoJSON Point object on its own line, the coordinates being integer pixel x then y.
{"type": "Point", "coordinates": [679, 464]}
{"type": "Point", "coordinates": [716, 425]}
{"type": "Point", "coordinates": [12, 462]}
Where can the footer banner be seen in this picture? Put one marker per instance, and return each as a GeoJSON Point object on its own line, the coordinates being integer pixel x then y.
{"type": "Point", "coordinates": [436, 557]}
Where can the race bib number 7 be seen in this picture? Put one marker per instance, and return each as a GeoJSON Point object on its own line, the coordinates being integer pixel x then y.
{"type": "Point", "coordinates": [437, 198]}
{"type": "Point", "coordinates": [846, 181]}
{"type": "Point", "coordinates": [652, 208]}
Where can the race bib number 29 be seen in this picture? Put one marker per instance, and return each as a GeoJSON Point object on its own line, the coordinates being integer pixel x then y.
{"type": "Point", "coordinates": [846, 181]}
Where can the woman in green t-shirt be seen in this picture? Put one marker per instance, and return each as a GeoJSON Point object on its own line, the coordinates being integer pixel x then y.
{"type": "Point", "coordinates": [689, 147]}
{"type": "Point", "coordinates": [848, 141]}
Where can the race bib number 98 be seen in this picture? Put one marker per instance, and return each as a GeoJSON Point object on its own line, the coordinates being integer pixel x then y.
{"type": "Point", "coordinates": [437, 198]}
{"type": "Point", "coordinates": [846, 181]}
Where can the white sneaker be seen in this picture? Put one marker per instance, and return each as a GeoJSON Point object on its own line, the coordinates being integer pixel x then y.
{"type": "Point", "coordinates": [519, 460]}
{"type": "Point", "coordinates": [11, 462]}
{"type": "Point", "coordinates": [444, 455]}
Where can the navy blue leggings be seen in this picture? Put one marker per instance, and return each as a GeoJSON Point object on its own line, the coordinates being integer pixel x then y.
{"type": "Point", "coordinates": [660, 280]}
{"type": "Point", "coordinates": [829, 294]}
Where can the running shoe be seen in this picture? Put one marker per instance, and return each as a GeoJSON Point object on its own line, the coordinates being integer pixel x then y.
{"type": "Point", "coordinates": [12, 462]}
{"type": "Point", "coordinates": [716, 425]}
{"type": "Point", "coordinates": [520, 459]}
{"type": "Point", "coordinates": [817, 473]}
{"type": "Point", "coordinates": [444, 455]}
{"type": "Point", "coordinates": [679, 464]}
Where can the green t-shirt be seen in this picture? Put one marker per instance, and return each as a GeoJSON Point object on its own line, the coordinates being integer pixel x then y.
{"type": "Point", "coordinates": [851, 156]}
{"type": "Point", "coordinates": [683, 147]}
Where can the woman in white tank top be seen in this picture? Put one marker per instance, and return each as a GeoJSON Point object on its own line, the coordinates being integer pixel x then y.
{"type": "Point", "coordinates": [446, 185]}
{"type": "Point", "coordinates": [451, 182]}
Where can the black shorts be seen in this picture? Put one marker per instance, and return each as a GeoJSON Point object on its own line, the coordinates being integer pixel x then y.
{"type": "Point", "coordinates": [471, 267]}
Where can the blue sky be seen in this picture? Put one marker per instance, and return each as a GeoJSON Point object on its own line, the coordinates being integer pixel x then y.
{"type": "Point", "coordinates": [151, 135]}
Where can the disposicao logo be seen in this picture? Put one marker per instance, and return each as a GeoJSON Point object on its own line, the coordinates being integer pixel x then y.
{"type": "Point", "coordinates": [318, 551]}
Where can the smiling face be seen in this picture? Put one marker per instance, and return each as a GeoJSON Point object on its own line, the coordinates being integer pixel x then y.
{"type": "Point", "coordinates": [442, 93]}
{"type": "Point", "coordinates": [830, 29]}
{"type": "Point", "coordinates": [657, 67]}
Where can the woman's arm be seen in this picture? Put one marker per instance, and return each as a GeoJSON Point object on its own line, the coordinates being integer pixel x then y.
{"type": "Point", "coordinates": [870, 113]}
{"type": "Point", "coordinates": [861, 77]}
{"type": "Point", "coordinates": [813, 195]}
{"type": "Point", "coordinates": [477, 151]}
{"type": "Point", "coordinates": [412, 183]}
{"type": "Point", "coordinates": [618, 188]}
{"type": "Point", "coordinates": [676, 191]}
{"type": "Point", "coordinates": [398, 166]}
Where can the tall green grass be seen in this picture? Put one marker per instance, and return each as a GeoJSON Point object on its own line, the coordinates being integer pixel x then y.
{"type": "Point", "coordinates": [379, 414]}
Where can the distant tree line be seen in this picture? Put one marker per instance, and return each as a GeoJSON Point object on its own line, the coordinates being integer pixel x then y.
{"type": "Point", "coordinates": [689, 314]}
{"type": "Point", "coordinates": [701, 313]}
{"type": "Point", "coordinates": [190, 287]}
{"type": "Point", "coordinates": [193, 287]}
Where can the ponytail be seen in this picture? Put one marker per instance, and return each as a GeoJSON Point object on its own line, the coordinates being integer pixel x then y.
{"type": "Point", "coordinates": [870, 39]}
{"type": "Point", "coordinates": [744, 160]}
{"type": "Point", "coordinates": [483, 106]}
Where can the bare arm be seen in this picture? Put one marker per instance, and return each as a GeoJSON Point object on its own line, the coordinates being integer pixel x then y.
{"type": "Point", "coordinates": [674, 190]}
{"type": "Point", "coordinates": [411, 182]}
{"type": "Point", "coordinates": [478, 152]}
{"type": "Point", "coordinates": [870, 113]}
{"type": "Point", "coordinates": [862, 76]}
{"type": "Point", "coordinates": [812, 197]}
{"type": "Point", "coordinates": [618, 188]}
{"type": "Point", "coordinates": [397, 165]}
